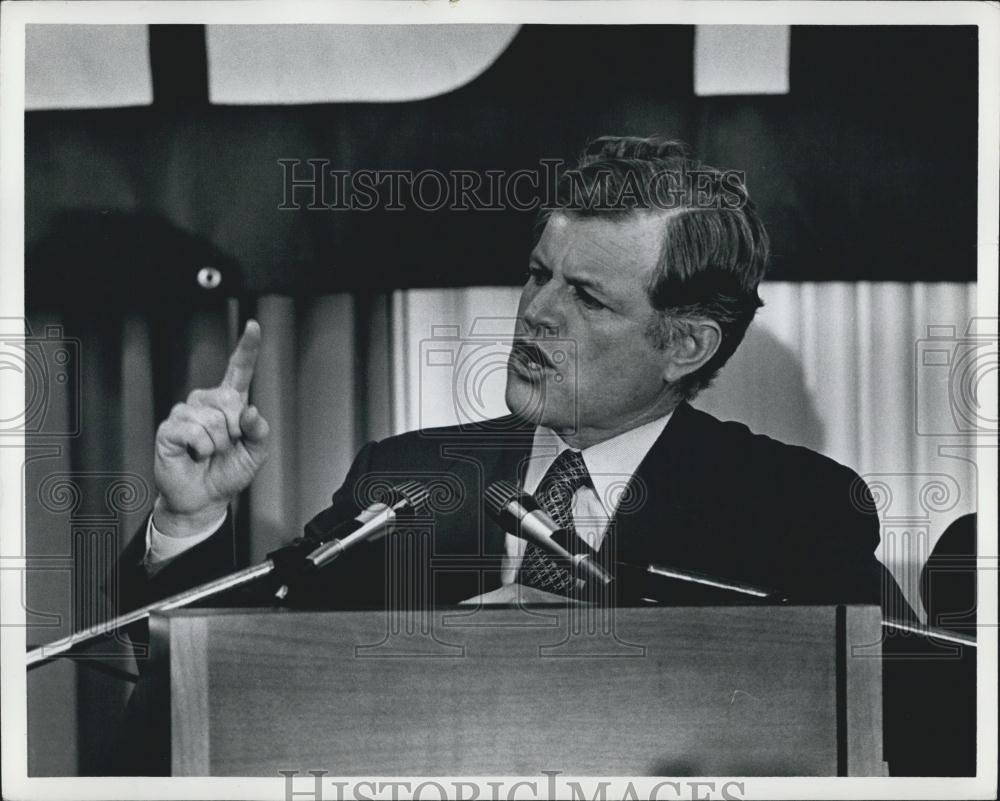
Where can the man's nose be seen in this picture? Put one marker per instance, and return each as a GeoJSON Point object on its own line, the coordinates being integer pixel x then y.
{"type": "Point", "coordinates": [541, 312]}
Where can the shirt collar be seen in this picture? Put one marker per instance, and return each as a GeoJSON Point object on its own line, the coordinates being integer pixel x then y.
{"type": "Point", "coordinates": [611, 463]}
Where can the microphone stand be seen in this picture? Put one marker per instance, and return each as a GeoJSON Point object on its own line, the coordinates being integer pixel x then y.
{"type": "Point", "coordinates": [303, 554]}
{"type": "Point", "coordinates": [773, 596]}
{"type": "Point", "coordinates": [45, 652]}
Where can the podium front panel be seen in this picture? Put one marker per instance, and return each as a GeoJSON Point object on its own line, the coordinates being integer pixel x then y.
{"type": "Point", "coordinates": [675, 691]}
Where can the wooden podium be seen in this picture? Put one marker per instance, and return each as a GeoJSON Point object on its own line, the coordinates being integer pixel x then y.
{"type": "Point", "coordinates": [707, 691]}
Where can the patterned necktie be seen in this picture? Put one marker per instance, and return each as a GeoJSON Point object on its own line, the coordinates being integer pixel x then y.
{"type": "Point", "coordinates": [555, 495]}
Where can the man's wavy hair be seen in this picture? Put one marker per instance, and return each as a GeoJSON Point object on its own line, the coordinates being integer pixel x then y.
{"type": "Point", "coordinates": [715, 249]}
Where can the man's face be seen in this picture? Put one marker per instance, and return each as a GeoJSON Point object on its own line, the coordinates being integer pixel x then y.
{"type": "Point", "coordinates": [587, 284]}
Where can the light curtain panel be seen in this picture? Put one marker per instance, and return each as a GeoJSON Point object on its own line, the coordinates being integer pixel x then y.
{"type": "Point", "coordinates": [741, 59]}
{"type": "Point", "coordinates": [86, 66]}
{"type": "Point", "coordinates": [295, 64]}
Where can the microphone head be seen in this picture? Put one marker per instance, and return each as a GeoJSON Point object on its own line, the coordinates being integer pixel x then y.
{"type": "Point", "coordinates": [500, 494]}
{"type": "Point", "coordinates": [414, 493]}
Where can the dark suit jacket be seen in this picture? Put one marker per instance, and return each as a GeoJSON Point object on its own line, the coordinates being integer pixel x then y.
{"type": "Point", "coordinates": [710, 497]}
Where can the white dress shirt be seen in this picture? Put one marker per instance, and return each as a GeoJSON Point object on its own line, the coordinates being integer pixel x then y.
{"type": "Point", "coordinates": [611, 465]}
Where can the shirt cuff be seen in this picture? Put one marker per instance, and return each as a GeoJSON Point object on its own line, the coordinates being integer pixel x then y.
{"type": "Point", "coordinates": [160, 548]}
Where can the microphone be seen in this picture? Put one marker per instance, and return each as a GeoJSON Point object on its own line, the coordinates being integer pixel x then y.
{"type": "Point", "coordinates": [728, 585]}
{"type": "Point", "coordinates": [519, 514]}
{"type": "Point", "coordinates": [407, 499]}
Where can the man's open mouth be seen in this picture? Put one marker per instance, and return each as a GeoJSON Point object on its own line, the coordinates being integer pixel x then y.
{"type": "Point", "coordinates": [530, 355]}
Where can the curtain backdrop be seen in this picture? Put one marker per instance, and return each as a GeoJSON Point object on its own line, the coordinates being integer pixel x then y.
{"type": "Point", "coordinates": [837, 367]}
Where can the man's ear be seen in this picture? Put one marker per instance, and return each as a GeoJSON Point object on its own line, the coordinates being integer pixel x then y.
{"type": "Point", "coordinates": [694, 344]}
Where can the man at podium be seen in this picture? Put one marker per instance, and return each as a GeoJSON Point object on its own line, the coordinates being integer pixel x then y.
{"type": "Point", "coordinates": [641, 285]}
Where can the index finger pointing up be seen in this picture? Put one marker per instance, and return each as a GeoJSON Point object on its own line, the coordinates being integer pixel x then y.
{"type": "Point", "coordinates": [239, 373]}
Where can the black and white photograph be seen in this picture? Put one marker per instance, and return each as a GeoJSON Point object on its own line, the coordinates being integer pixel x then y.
{"type": "Point", "coordinates": [501, 400]}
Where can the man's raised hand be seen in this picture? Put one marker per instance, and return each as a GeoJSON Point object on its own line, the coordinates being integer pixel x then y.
{"type": "Point", "coordinates": [210, 448]}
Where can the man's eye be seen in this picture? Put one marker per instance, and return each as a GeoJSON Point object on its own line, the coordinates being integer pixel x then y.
{"type": "Point", "coordinates": [536, 275]}
{"type": "Point", "coordinates": [587, 299]}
